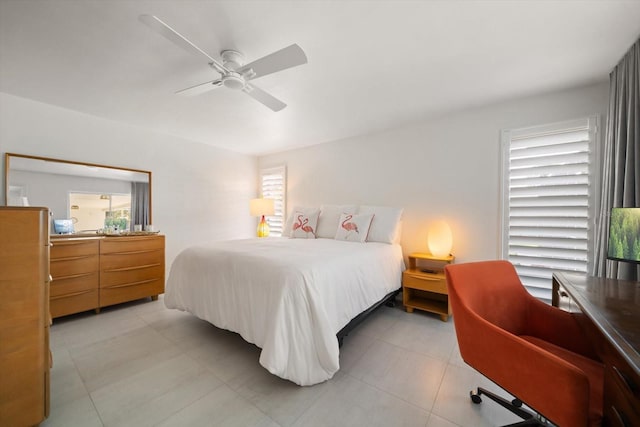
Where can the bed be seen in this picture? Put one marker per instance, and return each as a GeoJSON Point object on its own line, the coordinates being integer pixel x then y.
{"type": "Point", "coordinates": [288, 296]}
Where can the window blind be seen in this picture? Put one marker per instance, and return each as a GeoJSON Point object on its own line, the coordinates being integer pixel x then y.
{"type": "Point", "coordinates": [546, 202]}
{"type": "Point", "coordinates": [273, 183]}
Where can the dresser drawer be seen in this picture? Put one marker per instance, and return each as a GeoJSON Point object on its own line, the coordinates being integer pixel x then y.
{"type": "Point", "coordinates": [75, 283]}
{"type": "Point", "coordinates": [620, 405]}
{"type": "Point", "coordinates": [143, 259]}
{"type": "Point", "coordinates": [129, 291]}
{"type": "Point", "coordinates": [77, 302]}
{"type": "Point", "coordinates": [121, 276]}
{"type": "Point", "coordinates": [73, 248]}
{"type": "Point", "coordinates": [131, 245]}
{"type": "Point", "coordinates": [437, 284]}
{"type": "Point", "coordinates": [61, 268]}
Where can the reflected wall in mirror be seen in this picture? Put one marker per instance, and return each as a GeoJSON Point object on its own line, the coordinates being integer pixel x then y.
{"type": "Point", "coordinates": [93, 196]}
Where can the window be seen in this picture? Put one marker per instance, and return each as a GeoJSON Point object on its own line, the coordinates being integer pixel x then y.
{"type": "Point", "coordinates": [273, 185]}
{"type": "Point", "coordinates": [91, 211]}
{"type": "Point", "coordinates": [547, 200]}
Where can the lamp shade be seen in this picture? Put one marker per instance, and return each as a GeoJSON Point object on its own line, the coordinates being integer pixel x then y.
{"type": "Point", "coordinates": [260, 207]}
{"type": "Point", "coordinates": [440, 239]}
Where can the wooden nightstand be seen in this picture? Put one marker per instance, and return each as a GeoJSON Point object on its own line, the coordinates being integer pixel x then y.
{"type": "Point", "coordinates": [424, 285]}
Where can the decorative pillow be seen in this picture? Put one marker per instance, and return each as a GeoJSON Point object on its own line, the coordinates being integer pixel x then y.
{"type": "Point", "coordinates": [304, 224]}
{"type": "Point", "coordinates": [286, 231]}
{"type": "Point", "coordinates": [329, 216]}
{"type": "Point", "coordinates": [385, 225]}
{"type": "Point", "coordinates": [353, 228]}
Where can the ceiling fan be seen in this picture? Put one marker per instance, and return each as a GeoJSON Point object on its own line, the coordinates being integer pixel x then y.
{"type": "Point", "coordinates": [234, 73]}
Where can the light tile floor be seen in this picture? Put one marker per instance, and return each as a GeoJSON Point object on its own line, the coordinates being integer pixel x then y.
{"type": "Point", "coordinates": [142, 364]}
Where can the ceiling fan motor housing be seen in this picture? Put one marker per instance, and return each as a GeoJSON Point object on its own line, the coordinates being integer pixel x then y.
{"type": "Point", "coordinates": [232, 59]}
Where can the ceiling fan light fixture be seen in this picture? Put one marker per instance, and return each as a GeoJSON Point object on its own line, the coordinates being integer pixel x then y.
{"type": "Point", "coordinates": [233, 81]}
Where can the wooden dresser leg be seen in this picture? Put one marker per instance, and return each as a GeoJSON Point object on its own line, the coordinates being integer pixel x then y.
{"type": "Point", "coordinates": [154, 297]}
{"type": "Point", "coordinates": [97, 310]}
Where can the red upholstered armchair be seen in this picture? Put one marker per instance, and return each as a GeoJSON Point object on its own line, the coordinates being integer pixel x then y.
{"type": "Point", "coordinates": [536, 352]}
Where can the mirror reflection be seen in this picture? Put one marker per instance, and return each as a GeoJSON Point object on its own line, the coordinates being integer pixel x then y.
{"type": "Point", "coordinates": [82, 197]}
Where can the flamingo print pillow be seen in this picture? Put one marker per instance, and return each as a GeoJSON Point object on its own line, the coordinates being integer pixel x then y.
{"type": "Point", "coordinates": [354, 228]}
{"type": "Point", "coordinates": [304, 224]}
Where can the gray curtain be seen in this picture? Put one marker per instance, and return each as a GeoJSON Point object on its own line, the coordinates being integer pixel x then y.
{"type": "Point", "coordinates": [621, 159]}
{"type": "Point", "coordinates": [139, 204]}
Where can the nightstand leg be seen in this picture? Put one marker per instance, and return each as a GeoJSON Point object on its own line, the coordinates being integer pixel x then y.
{"type": "Point", "coordinates": [444, 317]}
{"type": "Point", "coordinates": [409, 309]}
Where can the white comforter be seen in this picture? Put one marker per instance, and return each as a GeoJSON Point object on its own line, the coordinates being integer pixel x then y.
{"type": "Point", "coordinates": [288, 296]}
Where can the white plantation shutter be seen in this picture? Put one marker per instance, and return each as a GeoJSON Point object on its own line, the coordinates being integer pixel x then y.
{"type": "Point", "coordinates": [273, 184]}
{"type": "Point", "coordinates": [546, 201]}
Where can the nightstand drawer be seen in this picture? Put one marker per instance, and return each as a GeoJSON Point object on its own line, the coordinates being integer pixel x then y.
{"type": "Point", "coordinates": [437, 284]}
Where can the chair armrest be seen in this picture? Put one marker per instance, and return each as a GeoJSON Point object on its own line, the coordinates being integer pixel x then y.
{"type": "Point", "coordinates": [546, 382]}
{"type": "Point", "coordinates": [558, 327]}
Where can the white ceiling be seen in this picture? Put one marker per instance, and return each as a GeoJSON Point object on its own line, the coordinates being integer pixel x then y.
{"type": "Point", "coordinates": [373, 65]}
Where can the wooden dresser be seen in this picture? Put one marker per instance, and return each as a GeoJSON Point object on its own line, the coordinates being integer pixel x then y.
{"type": "Point", "coordinates": [25, 358]}
{"type": "Point", "coordinates": [94, 272]}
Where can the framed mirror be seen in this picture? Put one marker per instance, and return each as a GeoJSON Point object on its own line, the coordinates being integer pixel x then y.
{"type": "Point", "coordinates": [90, 197]}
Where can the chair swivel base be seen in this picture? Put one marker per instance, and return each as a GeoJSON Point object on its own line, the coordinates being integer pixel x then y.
{"type": "Point", "coordinates": [515, 406]}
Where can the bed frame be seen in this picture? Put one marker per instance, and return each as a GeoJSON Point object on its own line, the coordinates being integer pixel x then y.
{"type": "Point", "coordinates": [388, 300]}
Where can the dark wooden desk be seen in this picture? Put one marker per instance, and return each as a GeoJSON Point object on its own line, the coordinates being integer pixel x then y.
{"type": "Point", "coordinates": [612, 321]}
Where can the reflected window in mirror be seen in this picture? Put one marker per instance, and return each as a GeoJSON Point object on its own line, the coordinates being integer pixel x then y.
{"type": "Point", "coordinates": [91, 212]}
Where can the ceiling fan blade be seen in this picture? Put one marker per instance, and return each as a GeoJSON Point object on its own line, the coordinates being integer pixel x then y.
{"type": "Point", "coordinates": [263, 97]}
{"type": "Point", "coordinates": [288, 57]}
{"type": "Point", "coordinates": [200, 88]}
{"type": "Point", "coordinates": [157, 25]}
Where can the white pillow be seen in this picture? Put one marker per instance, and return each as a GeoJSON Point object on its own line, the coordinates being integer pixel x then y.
{"type": "Point", "coordinates": [304, 224]}
{"type": "Point", "coordinates": [385, 224]}
{"type": "Point", "coordinates": [353, 228]}
{"type": "Point", "coordinates": [286, 231]}
{"type": "Point", "coordinates": [329, 216]}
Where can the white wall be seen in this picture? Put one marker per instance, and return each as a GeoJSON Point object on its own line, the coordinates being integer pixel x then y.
{"type": "Point", "coordinates": [445, 168]}
{"type": "Point", "coordinates": [200, 193]}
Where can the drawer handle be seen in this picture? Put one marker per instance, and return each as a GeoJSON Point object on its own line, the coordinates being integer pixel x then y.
{"type": "Point", "coordinates": [74, 294]}
{"type": "Point", "coordinates": [621, 418]}
{"type": "Point", "coordinates": [133, 252]}
{"type": "Point", "coordinates": [137, 267]}
{"type": "Point", "coordinates": [626, 380]}
{"type": "Point", "coordinates": [72, 276]}
{"type": "Point", "coordinates": [126, 285]}
{"type": "Point", "coordinates": [433, 279]}
{"type": "Point", "coordinates": [71, 258]}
